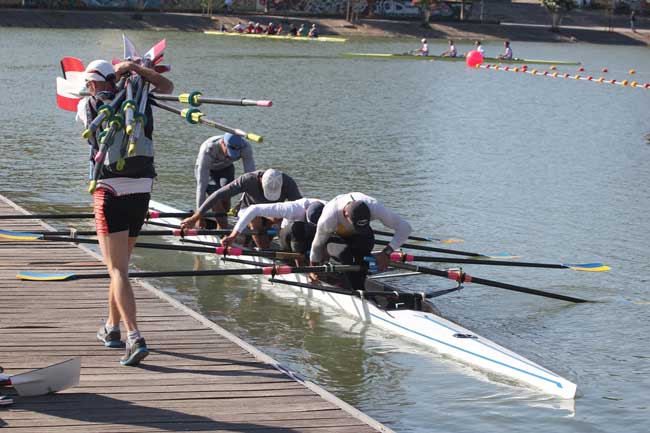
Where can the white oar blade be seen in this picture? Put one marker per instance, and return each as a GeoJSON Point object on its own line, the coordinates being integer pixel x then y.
{"type": "Point", "coordinates": [50, 379]}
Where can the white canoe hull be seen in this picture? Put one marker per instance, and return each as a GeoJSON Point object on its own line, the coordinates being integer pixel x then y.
{"type": "Point", "coordinates": [430, 330]}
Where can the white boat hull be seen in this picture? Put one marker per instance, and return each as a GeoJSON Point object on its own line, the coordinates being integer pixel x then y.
{"type": "Point", "coordinates": [430, 330]}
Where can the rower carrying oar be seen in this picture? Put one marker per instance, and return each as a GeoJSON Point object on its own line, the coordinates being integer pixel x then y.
{"type": "Point", "coordinates": [196, 98]}
{"type": "Point", "coordinates": [585, 267]}
{"type": "Point", "coordinates": [461, 278]}
{"type": "Point", "coordinates": [267, 270]}
{"type": "Point", "coordinates": [194, 116]}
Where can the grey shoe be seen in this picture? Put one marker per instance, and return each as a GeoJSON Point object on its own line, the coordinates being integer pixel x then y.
{"type": "Point", "coordinates": [110, 339]}
{"type": "Point", "coordinates": [135, 352]}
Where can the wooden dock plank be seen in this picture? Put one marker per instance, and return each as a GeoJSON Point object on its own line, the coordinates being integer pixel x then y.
{"type": "Point", "coordinates": [198, 377]}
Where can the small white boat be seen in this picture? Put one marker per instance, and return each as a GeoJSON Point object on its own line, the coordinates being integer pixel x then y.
{"type": "Point", "coordinates": [426, 328]}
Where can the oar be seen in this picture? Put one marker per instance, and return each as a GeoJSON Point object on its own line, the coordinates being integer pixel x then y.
{"type": "Point", "coordinates": [461, 277]}
{"type": "Point", "coordinates": [267, 270]}
{"type": "Point", "coordinates": [152, 214]}
{"type": "Point", "coordinates": [218, 250]}
{"type": "Point", "coordinates": [420, 238]}
{"type": "Point", "coordinates": [586, 267]}
{"type": "Point", "coordinates": [193, 116]}
{"type": "Point", "coordinates": [46, 380]}
{"type": "Point", "coordinates": [448, 251]}
{"type": "Point", "coordinates": [42, 234]}
{"type": "Point", "coordinates": [195, 99]}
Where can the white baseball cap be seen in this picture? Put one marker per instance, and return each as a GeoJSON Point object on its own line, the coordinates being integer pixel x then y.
{"type": "Point", "coordinates": [272, 184]}
{"type": "Point", "coordinates": [100, 70]}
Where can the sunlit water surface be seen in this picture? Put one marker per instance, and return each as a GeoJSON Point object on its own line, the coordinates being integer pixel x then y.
{"type": "Point", "coordinates": [554, 170]}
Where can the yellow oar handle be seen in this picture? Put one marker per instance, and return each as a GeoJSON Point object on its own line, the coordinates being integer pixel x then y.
{"type": "Point", "coordinates": [254, 137]}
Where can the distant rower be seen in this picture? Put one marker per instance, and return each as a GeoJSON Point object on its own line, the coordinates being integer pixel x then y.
{"type": "Point", "coordinates": [451, 52]}
{"type": "Point", "coordinates": [313, 32]}
{"type": "Point", "coordinates": [507, 54]}
{"type": "Point", "coordinates": [424, 49]}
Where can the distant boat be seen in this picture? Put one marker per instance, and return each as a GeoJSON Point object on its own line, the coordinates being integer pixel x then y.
{"type": "Point", "coordinates": [279, 37]}
{"type": "Point", "coordinates": [453, 59]}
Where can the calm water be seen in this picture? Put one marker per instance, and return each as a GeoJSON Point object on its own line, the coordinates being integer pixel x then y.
{"type": "Point", "coordinates": [554, 170]}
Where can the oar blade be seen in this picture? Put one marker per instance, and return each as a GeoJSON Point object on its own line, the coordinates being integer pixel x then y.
{"type": "Point", "coordinates": [588, 267]}
{"type": "Point", "coordinates": [50, 379]}
{"type": "Point", "coordinates": [20, 236]}
{"type": "Point", "coordinates": [43, 276]}
{"type": "Point", "coordinates": [449, 241]}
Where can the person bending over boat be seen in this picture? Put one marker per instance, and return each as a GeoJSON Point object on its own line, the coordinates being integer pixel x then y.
{"type": "Point", "coordinates": [270, 29]}
{"type": "Point", "coordinates": [507, 54]}
{"type": "Point", "coordinates": [293, 30]}
{"type": "Point", "coordinates": [298, 225]}
{"type": "Point", "coordinates": [250, 28]}
{"type": "Point", "coordinates": [214, 168]}
{"type": "Point", "coordinates": [257, 187]}
{"type": "Point", "coordinates": [121, 199]}
{"type": "Point", "coordinates": [424, 49]}
{"type": "Point", "coordinates": [239, 28]}
{"type": "Point", "coordinates": [313, 31]}
{"type": "Point", "coordinates": [344, 234]}
{"type": "Point", "coordinates": [451, 52]}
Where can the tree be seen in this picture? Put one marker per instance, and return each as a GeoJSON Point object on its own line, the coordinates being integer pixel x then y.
{"type": "Point", "coordinates": [425, 7]}
{"type": "Point", "coordinates": [557, 8]}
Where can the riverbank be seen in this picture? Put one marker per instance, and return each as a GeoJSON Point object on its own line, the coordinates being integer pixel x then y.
{"type": "Point", "coordinates": [577, 26]}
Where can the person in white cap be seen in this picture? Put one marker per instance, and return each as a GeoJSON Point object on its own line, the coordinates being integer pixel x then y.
{"type": "Point", "coordinates": [424, 49]}
{"type": "Point", "coordinates": [270, 186]}
{"type": "Point", "coordinates": [214, 168]}
{"type": "Point", "coordinates": [299, 219]}
{"type": "Point", "coordinates": [121, 198]}
{"type": "Point", "coordinates": [313, 31]}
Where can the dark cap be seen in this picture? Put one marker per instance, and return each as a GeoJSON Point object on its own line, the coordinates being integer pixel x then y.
{"type": "Point", "coordinates": [313, 212]}
{"type": "Point", "coordinates": [359, 213]}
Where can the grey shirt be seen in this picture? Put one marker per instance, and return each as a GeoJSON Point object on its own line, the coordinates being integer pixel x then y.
{"type": "Point", "coordinates": [250, 184]}
{"type": "Point", "coordinates": [212, 158]}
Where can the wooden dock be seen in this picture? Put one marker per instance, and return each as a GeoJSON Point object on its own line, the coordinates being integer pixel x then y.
{"type": "Point", "coordinates": [198, 376]}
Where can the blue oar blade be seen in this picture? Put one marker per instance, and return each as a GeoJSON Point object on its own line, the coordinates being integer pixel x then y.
{"type": "Point", "coordinates": [20, 236]}
{"type": "Point", "coordinates": [587, 267]}
{"type": "Point", "coordinates": [43, 276]}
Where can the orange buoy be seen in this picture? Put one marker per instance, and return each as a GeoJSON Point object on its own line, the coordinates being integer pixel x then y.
{"type": "Point", "coordinates": [516, 69]}
{"type": "Point", "coordinates": [553, 67]}
{"type": "Point", "coordinates": [576, 76]}
{"type": "Point", "coordinates": [632, 72]}
{"type": "Point", "coordinates": [624, 82]}
{"type": "Point", "coordinates": [601, 79]}
{"type": "Point", "coordinates": [633, 83]}
{"type": "Point", "coordinates": [554, 74]}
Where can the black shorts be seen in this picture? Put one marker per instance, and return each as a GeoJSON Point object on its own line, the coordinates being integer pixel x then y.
{"type": "Point", "coordinates": [115, 214]}
{"type": "Point", "coordinates": [221, 178]}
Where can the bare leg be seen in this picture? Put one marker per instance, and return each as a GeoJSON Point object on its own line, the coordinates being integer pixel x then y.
{"type": "Point", "coordinates": [257, 226]}
{"type": "Point", "coordinates": [222, 207]}
{"type": "Point", "coordinates": [116, 249]}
